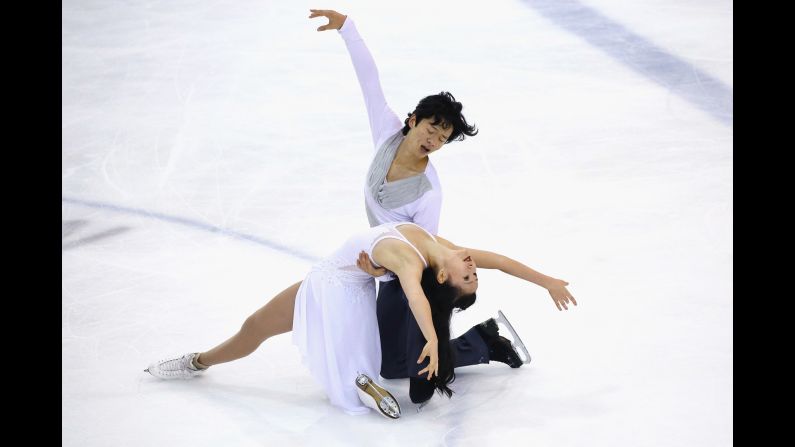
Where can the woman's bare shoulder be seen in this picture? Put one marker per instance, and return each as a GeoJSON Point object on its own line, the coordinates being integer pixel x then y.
{"type": "Point", "coordinates": [396, 256]}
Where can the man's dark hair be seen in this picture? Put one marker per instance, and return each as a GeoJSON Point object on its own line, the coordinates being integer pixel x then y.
{"type": "Point", "coordinates": [444, 110]}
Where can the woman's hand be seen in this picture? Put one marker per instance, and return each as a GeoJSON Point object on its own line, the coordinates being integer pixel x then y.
{"type": "Point", "coordinates": [335, 19]}
{"type": "Point", "coordinates": [366, 264]}
{"type": "Point", "coordinates": [431, 350]}
{"type": "Point", "coordinates": [557, 290]}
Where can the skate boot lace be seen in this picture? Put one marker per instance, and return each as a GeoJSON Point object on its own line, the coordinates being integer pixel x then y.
{"type": "Point", "coordinates": [176, 366]}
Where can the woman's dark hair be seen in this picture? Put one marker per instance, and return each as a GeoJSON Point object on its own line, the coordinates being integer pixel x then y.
{"type": "Point", "coordinates": [443, 298]}
{"type": "Point", "coordinates": [445, 110]}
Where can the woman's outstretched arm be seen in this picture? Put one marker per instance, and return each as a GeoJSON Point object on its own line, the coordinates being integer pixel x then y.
{"type": "Point", "coordinates": [490, 260]}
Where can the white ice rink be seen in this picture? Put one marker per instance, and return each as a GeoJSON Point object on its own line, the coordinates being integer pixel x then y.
{"type": "Point", "coordinates": [213, 149]}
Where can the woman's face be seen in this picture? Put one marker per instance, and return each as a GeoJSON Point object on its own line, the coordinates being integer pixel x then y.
{"type": "Point", "coordinates": [462, 271]}
{"type": "Point", "coordinates": [427, 137]}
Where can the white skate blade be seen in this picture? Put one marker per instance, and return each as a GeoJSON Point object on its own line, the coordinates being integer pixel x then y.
{"type": "Point", "coordinates": [517, 342]}
{"type": "Point", "coordinates": [422, 405]}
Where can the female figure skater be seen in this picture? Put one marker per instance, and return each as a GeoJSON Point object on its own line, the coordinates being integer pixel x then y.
{"type": "Point", "coordinates": [402, 185]}
{"type": "Point", "coordinates": [332, 314]}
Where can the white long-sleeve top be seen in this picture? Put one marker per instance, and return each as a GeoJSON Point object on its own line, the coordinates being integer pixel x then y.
{"type": "Point", "coordinates": [415, 199]}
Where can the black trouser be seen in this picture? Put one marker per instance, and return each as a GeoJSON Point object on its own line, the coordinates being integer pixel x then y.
{"type": "Point", "coordinates": [402, 343]}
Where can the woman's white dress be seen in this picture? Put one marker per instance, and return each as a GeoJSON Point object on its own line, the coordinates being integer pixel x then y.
{"type": "Point", "coordinates": [334, 323]}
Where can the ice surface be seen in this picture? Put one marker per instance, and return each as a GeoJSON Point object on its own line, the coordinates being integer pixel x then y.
{"type": "Point", "coordinates": [212, 150]}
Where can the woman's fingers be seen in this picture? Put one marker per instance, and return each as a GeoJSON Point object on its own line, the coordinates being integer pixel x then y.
{"type": "Point", "coordinates": [429, 370]}
{"type": "Point", "coordinates": [433, 369]}
{"type": "Point", "coordinates": [423, 354]}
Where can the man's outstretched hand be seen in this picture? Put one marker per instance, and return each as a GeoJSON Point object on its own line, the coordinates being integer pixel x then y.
{"type": "Point", "coordinates": [335, 19]}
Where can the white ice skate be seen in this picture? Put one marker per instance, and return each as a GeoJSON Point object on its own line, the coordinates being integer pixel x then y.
{"type": "Point", "coordinates": [176, 368]}
{"type": "Point", "coordinates": [377, 398]}
{"type": "Point", "coordinates": [517, 344]}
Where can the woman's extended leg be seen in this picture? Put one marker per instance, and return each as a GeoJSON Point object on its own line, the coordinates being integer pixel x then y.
{"type": "Point", "coordinates": [274, 318]}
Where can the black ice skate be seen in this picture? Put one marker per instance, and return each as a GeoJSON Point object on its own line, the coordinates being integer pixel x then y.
{"type": "Point", "coordinates": [502, 349]}
{"type": "Point", "coordinates": [377, 398]}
